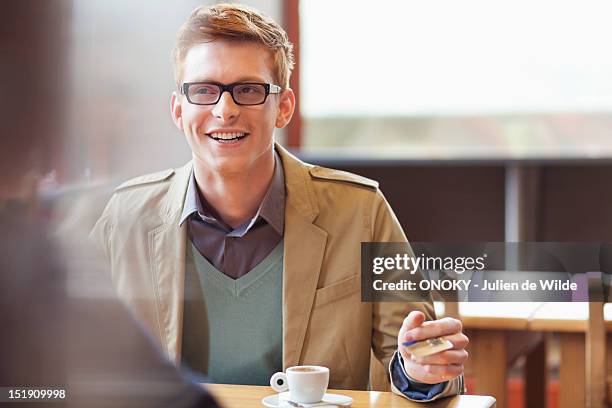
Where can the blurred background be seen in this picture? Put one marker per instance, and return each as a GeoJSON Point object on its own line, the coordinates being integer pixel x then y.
{"type": "Point", "coordinates": [401, 79]}
{"type": "Point", "coordinates": [483, 121]}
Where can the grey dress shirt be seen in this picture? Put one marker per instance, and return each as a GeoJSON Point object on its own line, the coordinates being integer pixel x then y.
{"type": "Point", "coordinates": [235, 251]}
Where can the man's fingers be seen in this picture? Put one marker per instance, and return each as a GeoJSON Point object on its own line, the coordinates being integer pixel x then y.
{"type": "Point", "coordinates": [444, 357]}
{"type": "Point", "coordinates": [437, 367]}
{"type": "Point", "coordinates": [414, 319]}
{"type": "Point", "coordinates": [459, 340]}
{"type": "Point", "coordinates": [435, 328]}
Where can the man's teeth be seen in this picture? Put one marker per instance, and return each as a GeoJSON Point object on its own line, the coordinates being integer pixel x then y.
{"type": "Point", "coordinates": [227, 136]}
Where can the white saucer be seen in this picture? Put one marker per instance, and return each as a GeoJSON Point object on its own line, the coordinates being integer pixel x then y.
{"type": "Point", "coordinates": [329, 400]}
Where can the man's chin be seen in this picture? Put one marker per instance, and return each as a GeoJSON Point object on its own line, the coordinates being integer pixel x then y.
{"type": "Point", "coordinates": [226, 165]}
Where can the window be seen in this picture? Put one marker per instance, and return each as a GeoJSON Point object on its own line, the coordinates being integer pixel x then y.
{"type": "Point", "coordinates": [445, 79]}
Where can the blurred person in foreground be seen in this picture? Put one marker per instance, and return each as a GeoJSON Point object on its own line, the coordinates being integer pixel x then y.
{"type": "Point", "coordinates": [55, 334]}
{"type": "Point", "coordinates": [246, 260]}
{"type": "Point", "coordinates": [58, 336]}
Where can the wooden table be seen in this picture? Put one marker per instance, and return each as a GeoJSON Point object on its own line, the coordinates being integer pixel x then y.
{"type": "Point", "coordinates": [247, 396]}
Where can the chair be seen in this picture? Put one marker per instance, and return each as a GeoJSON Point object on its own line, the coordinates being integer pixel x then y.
{"type": "Point", "coordinates": [597, 380]}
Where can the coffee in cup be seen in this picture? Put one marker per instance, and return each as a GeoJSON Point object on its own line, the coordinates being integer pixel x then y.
{"type": "Point", "coordinates": [306, 384]}
{"type": "Point", "coordinates": [303, 369]}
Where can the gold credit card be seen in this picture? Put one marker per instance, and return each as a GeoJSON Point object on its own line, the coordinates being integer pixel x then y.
{"type": "Point", "coordinates": [427, 347]}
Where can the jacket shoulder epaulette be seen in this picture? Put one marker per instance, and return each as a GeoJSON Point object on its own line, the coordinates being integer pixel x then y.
{"type": "Point", "coordinates": [339, 175]}
{"type": "Point", "coordinates": [146, 179]}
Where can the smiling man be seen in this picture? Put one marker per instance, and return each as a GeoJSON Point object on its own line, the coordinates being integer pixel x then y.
{"type": "Point", "coordinates": [246, 260]}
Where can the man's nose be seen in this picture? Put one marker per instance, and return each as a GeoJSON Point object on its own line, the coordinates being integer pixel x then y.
{"type": "Point", "coordinates": [226, 109]}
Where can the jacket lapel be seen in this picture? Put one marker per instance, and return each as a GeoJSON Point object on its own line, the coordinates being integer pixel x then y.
{"type": "Point", "coordinates": [303, 255]}
{"type": "Point", "coordinates": [167, 263]}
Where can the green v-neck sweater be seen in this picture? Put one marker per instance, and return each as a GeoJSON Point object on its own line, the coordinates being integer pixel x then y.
{"type": "Point", "coordinates": [232, 328]}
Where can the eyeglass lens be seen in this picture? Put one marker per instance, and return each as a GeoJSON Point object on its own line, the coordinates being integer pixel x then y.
{"type": "Point", "coordinates": [245, 94]}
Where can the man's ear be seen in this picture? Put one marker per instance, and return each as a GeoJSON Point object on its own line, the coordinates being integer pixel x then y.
{"type": "Point", "coordinates": [286, 107]}
{"type": "Point", "coordinates": [176, 111]}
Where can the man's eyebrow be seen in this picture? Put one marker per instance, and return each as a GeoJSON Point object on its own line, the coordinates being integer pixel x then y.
{"type": "Point", "coordinates": [242, 79]}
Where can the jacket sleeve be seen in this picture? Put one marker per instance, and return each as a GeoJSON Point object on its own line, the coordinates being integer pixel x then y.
{"type": "Point", "coordinates": [388, 316]}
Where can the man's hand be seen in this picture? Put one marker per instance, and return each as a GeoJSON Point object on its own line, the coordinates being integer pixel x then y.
{"type": "Point", "coordinates": [438, 367]}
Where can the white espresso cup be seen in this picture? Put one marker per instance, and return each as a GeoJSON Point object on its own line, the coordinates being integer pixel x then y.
{"type": "Point", "coordinates": [306, 384]}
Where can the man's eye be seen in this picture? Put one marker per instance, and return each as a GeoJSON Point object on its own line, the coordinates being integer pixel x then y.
{"type": "Point", "coordinates": [249, 89]}
{"type": "Point", "coordinates": [204, 91]}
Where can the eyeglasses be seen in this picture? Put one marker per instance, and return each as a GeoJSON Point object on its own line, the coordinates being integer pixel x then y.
{"type": "Point", "coordinates": [243, 93]}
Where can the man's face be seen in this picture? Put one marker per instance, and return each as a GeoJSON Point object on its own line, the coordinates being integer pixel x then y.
{"type": "Point", "coordinates": [229, 62]}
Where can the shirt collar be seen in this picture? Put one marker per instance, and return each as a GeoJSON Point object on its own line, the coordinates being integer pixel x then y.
{"type": "Point", "coordinates": [272, 208]}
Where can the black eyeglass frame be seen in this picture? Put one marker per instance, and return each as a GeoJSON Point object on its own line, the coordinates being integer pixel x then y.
{"type": "Point", "coordinates": [269, 88]}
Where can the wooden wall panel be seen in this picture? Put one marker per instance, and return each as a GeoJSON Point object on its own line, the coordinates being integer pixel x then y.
{"type": "Point", "coordinates": [442, 203]}
{"type": "Point", "coordinates": [576, 203]}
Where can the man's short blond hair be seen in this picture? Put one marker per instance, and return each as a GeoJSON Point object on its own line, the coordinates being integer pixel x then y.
{"type": "Point", "coordinates": [234, 22]}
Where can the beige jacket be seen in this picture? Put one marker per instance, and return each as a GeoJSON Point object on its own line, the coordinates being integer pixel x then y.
{"type": "Point", "coordinates": [328, 214]}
